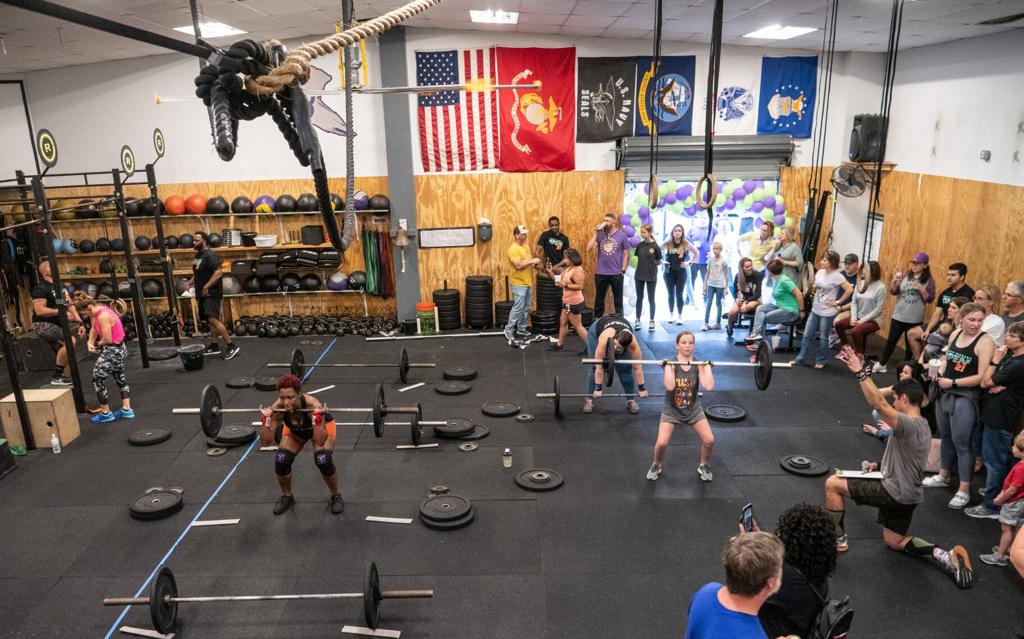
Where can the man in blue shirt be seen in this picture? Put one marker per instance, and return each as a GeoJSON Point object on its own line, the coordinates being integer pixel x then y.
{"type": "Point", "coordinates": [753, 572]}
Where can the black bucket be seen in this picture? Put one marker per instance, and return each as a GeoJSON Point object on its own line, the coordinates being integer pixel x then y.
{"type": "Point", "coordinates": [192, 356]}
{"type": "Point", "coordinates": [409, 327]}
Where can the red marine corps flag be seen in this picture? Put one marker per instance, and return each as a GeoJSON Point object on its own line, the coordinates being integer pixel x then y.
{"type": "Point", "coordinates": [538, 126]}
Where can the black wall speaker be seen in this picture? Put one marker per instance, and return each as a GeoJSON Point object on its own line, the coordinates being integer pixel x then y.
{"type": "Point", "coordinates": [866, 138]}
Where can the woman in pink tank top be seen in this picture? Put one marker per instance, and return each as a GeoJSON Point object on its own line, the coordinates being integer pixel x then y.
{"type": "Point", "coordinates": [106, 337]}
{"type": "Point", "coordinates": [571, 282]}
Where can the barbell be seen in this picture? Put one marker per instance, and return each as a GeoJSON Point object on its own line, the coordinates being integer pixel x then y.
{"type": "Point", "coordinates": [297, 365]}
{"type": "Point", "coordinates": [557, 396]}
{"type": "Point", "coordinates": [211, 412]}
{"type": "Point", "coordinates": [763, 365]}
{"type": "Point", "coordinates": [163, 598]}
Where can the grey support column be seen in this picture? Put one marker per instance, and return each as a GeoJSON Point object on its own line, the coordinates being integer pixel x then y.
{"type": "Point", "coordinates": [401, 188]}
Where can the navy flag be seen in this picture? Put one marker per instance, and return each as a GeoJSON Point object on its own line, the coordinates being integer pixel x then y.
{"type": "Point", "coordinates": [786, 102]}
{"type": "Point", "coordinates": [666, 95]}
{"type": "Point", "coordinates": [605, 97]}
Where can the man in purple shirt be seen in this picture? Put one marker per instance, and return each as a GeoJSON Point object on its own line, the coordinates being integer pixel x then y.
{"type": "Point", "coordinates": [698, 236]}
{"type": "Point", "coordinates": [612, 245]}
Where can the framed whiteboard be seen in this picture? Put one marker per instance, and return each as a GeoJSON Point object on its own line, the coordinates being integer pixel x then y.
{"type": "Point", "coordinates": [453, 237]}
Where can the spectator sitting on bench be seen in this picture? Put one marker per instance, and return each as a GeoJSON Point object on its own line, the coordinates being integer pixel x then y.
{"type": "Point", "coordinates": [786, 309]}
{"type": "Point", "coordinates": [748, 292]}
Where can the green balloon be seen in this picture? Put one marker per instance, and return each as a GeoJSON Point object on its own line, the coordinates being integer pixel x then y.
{"type": "Point", "coordinates": [771, 189]}
{"type": "Point", "coordinates": [640, 200]}
{"type": "Point", "coordinates": [758, 195]}
{"type": "Point", "coordinates": [727, 190]}
{"type": "Point", "coordinates": [720, 200]}
{"type": "Point", "coordinates": [632, 208]}
{"type": "Point", "coordinates": [662, 190]}
{"type": "Point", "coordinates": [788, 224]}
{"type": "Point", "coordinates": [777, 231]}
{"type": "Point", "coordinates": [748, 201]}
{"type": "Point", "coordinates": [677, 207]}
{"type": "Point", "coordinates": [778, 199]}
{"type": "Point", "coordinates": [688, 202]}
{"type": "Point", "coordinates": [672, 186]}
{"type": "Point", "coordinates": [735, 183]}
{"type": "Point", "coordinates": [632, 261]}
{"type": "Point", "coordinates": [635, 222]}
{"type": "Point", "coordinates": [767, 215]}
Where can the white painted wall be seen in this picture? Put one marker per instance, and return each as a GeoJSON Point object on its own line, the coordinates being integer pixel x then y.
{"type": "Point", "coordinates": [955, 99]}
{"type": "Point", "coordinates": [15, 135]}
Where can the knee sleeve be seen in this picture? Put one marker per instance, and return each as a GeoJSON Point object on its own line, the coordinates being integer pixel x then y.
{"type": "Point", "coordinates": [324, 460]}
{"type": "Point", "coordinates": [283, 463]}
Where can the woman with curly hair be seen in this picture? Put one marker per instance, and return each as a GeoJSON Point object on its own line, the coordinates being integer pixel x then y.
{"type": "Point", "coordinates": [809, 538]}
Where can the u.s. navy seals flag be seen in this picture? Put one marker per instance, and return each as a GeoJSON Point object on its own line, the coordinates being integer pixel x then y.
{"type": "Point", "coordinates": [786, 102]}
{"type": "Point", "coordinates": [537, 131]}
{"type": "Point", "coordinates": [605, 93]}
{"type": "Point", "coordinates": [665, 96]}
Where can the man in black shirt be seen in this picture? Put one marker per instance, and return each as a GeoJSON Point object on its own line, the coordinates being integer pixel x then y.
{"type": "Point", "coordinates": [956, 275]}
{"type": "Point", "coordinates": [1013, 303]}
{"type": "Point", "coordinates": [46, 322]}
{"type": "Point", "coordinates": [209, 290]}
{"type": "Point", "coordinates": [551, 245]}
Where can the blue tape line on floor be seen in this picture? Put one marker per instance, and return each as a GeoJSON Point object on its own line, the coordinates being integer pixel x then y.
{"type": "Point", "coordinates": [209, 500]}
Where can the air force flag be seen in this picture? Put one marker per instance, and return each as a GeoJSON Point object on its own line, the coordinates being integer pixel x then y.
{"type": "Point", "coordinates": [787, 98]}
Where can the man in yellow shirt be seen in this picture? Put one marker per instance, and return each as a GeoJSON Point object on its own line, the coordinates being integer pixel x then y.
{"type": "Point", "coordinates": [758, 244]}
{"type": "Point", "coordinates": [521, 279]}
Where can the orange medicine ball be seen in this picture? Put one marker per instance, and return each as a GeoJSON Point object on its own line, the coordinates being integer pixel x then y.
{"type": "Point", "coordinates": [195, 204]}
{"type": "Point", "coordinates": [175, 205]}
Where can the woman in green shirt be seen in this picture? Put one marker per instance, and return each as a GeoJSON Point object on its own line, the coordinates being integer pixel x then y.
{"type": "Point", "coordinates": [788, 305]}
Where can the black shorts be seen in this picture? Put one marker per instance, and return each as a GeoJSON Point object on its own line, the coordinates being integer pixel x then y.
{"type": "Point", "coordinates": [574, 309]}
{"type": "Point", "coordinates": [208, 307]}
{"type": "Point", "coordinates": [891, 513]}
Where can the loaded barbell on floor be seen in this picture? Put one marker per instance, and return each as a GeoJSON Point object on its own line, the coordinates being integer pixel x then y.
{"type": "Point", "coordinates": [297, 366]}
{"type": "Point", "coordinates": [763, 365]}
{"type": "Point", "coordinates": [211, 412]}
{"type": "Point", "coordinates": [163, 598]}
{"type": "Point", "coordinates": [557, 396]}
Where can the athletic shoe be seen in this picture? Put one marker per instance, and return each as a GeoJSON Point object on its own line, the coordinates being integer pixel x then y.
{"type": "Point", "coordinates": [960, 567]}
{"type": "Point", "coordinates": [752, 346]}
{"type": "Point", "coordinates": [124, 413]}
{"type": "Point", "coordinates": [994, 559]}
{"type": "Point", "coordinates": [284, 502]}
{"type": "Point", "coordinates": [716, 327]}
{"type": "Point", "coordinates": [524, 335]}
{"type": "Point", "coordinates": [654, 472]}
{"type": "Point", "coordinates": [232, 351]}
{"type": "Point", "coordinates": [679, 321]}
{"type": "Point", "coordinates": [935, 481]}
{"type": "Point", "coordinates": [61, 381]}
{"type": "Point", "coordinates": [981, 512]}
{"type": "Point", "coordinates": [650, 326]}
{"type": "Point", "coordinates": [704, 472]}
{"type": "Point", "coordinates": [842, 544]}
{"type": "Point", "coordinates": [705, 328]}
{"type": "Point", "coordinates": [959, 500]}
{"type": "Point", "coordinates": [588, 406]}
{"type": "Point", "coordinates": [632, 407]}
{"type": "Point", "coordinates": [753, 337]}
{"type": "Point", "coordinates": [636, 325]}
{"type": "Point", "coordinates": [337, 504]}
{"type": "Point", "coordinates": [212, 349]}
{"type": "Point", "coordinates": [554, 347]}
{"type": "Point", "coordinates": [728, 331]}
{"type": "Point", "coordinates": [878, 368]}
{"type": "Point", "coordinates": [103, 418]}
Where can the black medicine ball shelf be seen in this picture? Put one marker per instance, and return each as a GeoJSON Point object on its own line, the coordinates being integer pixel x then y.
{"type": "Point", "coordinates": [168, 216]}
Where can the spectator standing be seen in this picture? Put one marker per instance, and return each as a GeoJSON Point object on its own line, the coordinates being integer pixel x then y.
{"type": "Point", "coordinates": [648, 259]}
{"type": "Point", "coordinates": [701, 237]}
{"type": "Point", "coordinates": [1013, 302]}
{"type": "Point", "coordinates": [914, 290]}
{"type": "Point", "coordinates": [521, 279]}
{"type": "Point", "coordinates": [829, 286]}
{"type": "Point", "coordinates": [987, 296]}
{"type": "Point", "coordinates": [552, 245]}
{"type": "Point", "coordinates": [679, 254]}
{"type": "Point", "coordinates": [612, 246]}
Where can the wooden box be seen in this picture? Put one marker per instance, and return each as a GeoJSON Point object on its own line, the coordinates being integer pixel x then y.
{"type": "Point", "coordinates": [48, 409]}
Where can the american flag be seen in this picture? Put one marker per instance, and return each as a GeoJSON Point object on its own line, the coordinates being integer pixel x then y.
{"type": "Point", "coordinates": [458, 130]}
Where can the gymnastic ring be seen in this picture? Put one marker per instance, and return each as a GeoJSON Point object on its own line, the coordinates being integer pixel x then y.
{"type": "Point", "coordinates": [712, 191]}
{"type": "Point", "coordinates": [119, 306]}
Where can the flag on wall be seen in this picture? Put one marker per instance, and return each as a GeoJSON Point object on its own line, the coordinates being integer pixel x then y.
{"type": "Point", "coordinates": [458, 130]}
{"type": "Point", "coordinates": [537, 126]}
{"type": "Point", "coordinates": [605, 97]}
{"type": "Point", "coordinates": [786, 103]}
{"type": "Point", "coordinates": [665, 95]}
{"type": "Point", "coordinates": [736, 104]}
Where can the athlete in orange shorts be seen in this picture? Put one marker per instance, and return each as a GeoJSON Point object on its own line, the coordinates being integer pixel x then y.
{"type": "Point", "coordinates": [301, 418]}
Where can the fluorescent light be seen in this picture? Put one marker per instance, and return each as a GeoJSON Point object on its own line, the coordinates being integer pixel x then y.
{"type": "Point", "coordinates": [212, 30]}
{"type": "Point", "coordinates": [494, 17]}
{"type": "Point", "coordinates": [779, 32]}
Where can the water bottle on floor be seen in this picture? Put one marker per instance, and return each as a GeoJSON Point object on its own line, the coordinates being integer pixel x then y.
{"type": "Point", "coordinates": [55, 443]}
{"type": "Point", "coordinates": [506, 458]}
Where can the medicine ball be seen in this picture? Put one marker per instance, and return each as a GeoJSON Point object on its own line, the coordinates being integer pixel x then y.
{"type": "Point", "coordinates": [108, 210]}
{"type": "Point", "coordinates": [103, 244]}
{"type": "Point", "coordinates": [68, 246]}
{"type": "Point", "coordinates": [152, 288]}
{"type": "Point", "coordinates": [215, 240]}
{"type": "Point", "coordinates": [251, 284]}
{"type": "Point", "coordinates": [67, 214]}
{"type": "Point", "coordinates": [105, 266]}
{"type": "Point", "coordinates": [124, 290]}
{"type": "Point", "coordinates": [310, 282]}
{"type": "Point", "coordinates": [87, 246]}
{"type": "Point", "coordinates": [105, 289]}
{"type": "Point", "coordinates": [380, 202]}
{"type": "Point", "coordinates": [90, 289]}
{"type": "Point", "coordinates": [57, 243]}
{"type": "Point", "coordinates": [360, 200]}
{"type": "Point", "coordinates": [242, 204]}
{"type": "Point", "coordinates": [180, 285]}
{"type": "Point", "coordinates": [143, 243]}
{"type": "Point", "coordinates": [171, 241]}
{"type": "Point", "coordinates": [336, 202]}
{"type": "Point", "coordinates": [175, 205]}
{"type": "Point", "coordinates": [86, 210]}
{"type": "Point", "coordinates": [134, 208]}
{"type": "Point", "coordinates": [264, 204]}
{"type": "Point", "coordinates": [117, 244]}
{"type": "Point", "coordinates": [307, 202]}
{"type": "Point", "coordinates": [357, 281]}
{"type": "Point", "coordinates": [269, 284]}
{"type": "Point", "coordinates": [231, 285]}
{"type": "Point", "coordinates": [195, 204]}
{"type": "Point", "coordinates": [185, 240]}
{"type": "Point", "coordinates": [217, 206]}
{"type": "Point", "coordinates": [285, 204]}
{"type": "Point", "coordinates": [290, 282]}
{"type": "Point", "coordinates": [337, 281]}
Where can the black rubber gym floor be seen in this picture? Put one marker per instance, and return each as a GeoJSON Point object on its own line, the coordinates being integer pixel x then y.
{"type": "Point", "coordinates": [609, 554]}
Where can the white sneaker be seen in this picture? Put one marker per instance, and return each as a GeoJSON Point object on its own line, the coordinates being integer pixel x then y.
{"type": "Point", "coordinates": [878, 368]}
{"type": "Point", "coordinates": [704, 472]}
{"type": "Point", "coordinates": [654, 472]}
{"type": "Point", "coordinates": [679, 320]}
{"type": "Point", "coordinates": [959, 500]}
{"type": "Point", "coordinates": [935, 481]}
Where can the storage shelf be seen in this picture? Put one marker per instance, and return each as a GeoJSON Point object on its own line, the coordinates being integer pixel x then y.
{"type": "Point", "coordinates": [181, 251]}
{"type": "Point", "coordinates": [278, 293]}
{"type": "Point", "coordinates": [168, 216]}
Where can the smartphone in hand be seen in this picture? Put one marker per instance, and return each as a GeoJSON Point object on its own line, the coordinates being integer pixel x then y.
{"type": "Point", "coordinates": [747, 518]}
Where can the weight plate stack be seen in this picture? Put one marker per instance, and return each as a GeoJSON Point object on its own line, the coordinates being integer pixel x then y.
{"type": "Point", "coordinates": [479, 301]}
{"type": "Point", "coordinates": [549, 296]}
{"type": "Point", "coordinates": [449, 313]}
{"type": "Point", "coordinates": [544, 322]}
{"type": "Point", "coordinates": [501, 312]}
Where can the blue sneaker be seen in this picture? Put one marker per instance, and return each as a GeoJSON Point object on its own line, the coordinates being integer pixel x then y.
{"type": "Point", "coordinates": [102, 418]}
{"type": "Point", "coordinates": [124, 413]}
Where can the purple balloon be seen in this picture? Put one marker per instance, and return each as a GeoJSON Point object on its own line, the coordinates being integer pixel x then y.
{"type": "Point", "coordinates": [645, 220]}
{"type": "Point", "coordinates": [779, 220]}
{"type": "Point", "coordinates": [690, 211]}
{"type": "Point", "coordinates": [643, 212]}
{"type": "Point", "coordinates": [759, 184]}
{"type": "Point", "coordinates": [757, 207]}
{"type": "Point", "coordinates": [780, 209]}
{"type": "Point", "coordinates": [661, 203]}
{"type": "Point", "coordinates": [758, 222]}
{"type": "Point", "coordinates": [647, 188]}
{"type": "Point", "coordinates": [719, 209]}
{"type": "Point", "coordinates": [683, 192]}
{"type": "Point", "coordinates": [670, 198]}
{"type": "Point", "coordinates": [749, 186]}
{"type": "Point", "coordinates": [739, 193]}
{"type": "Point", "coordinates": [625, 218]}
{"type": "Point", "coordinates": [635, 240]}
{"type": "Point", "coordinates": [769, 201]}
{"type": "Point", "coordinates": [629, 230]}
{"type": "Point", "coordinates": [730, 203]}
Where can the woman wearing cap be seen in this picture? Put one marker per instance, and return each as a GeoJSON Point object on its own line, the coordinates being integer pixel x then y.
{"type": "Point", "coordinates": [914, 290]}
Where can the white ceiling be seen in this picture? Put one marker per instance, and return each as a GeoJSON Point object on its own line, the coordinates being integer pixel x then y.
{"type": "Point", "coordinates": [31, 41]}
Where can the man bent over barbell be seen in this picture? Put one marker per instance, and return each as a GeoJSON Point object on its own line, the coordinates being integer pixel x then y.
{"type": "Point", "coordinates": [304, 418]}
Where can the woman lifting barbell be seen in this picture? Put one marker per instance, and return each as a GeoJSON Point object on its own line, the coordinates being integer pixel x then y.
{"type": "Point", "coordinates": [682, 405]}
{"type": "Point", "coordinates": [298, 426]}
{"type": "Point", "coordinates": [617, 329]}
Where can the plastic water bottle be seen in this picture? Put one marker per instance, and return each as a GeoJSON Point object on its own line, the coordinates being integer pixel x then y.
{"type": "Point", "coordinates": [55, 443]}
{"type": "Point", "coordinates": [506, 458]}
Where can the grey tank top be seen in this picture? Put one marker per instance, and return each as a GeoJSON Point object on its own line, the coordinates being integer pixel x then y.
{"type": "Point", "coordinates": [684, 401]}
